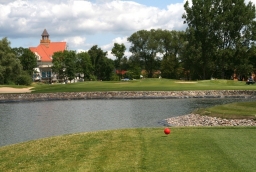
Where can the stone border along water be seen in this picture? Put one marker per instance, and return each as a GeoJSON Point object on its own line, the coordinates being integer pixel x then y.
{"type": "Point", "coordinates": [199, 120]}
{"type": "Point", "coordinates": [15, 97]}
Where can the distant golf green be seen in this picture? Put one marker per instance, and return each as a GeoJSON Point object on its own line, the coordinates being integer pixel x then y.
{"type": "Point", "coordinates": [143, 85]}
{"type": "Point", "coordinates": [188, 149]}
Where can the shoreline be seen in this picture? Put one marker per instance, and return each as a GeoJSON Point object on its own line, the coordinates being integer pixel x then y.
{"type": "Point", "coordinates": [196, 120]}
{"type": "Point", "coordinates": [25, 97]}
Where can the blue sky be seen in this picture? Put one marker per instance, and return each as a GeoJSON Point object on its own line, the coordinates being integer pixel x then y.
{"type": "Point", "coordinates": [158, 3]}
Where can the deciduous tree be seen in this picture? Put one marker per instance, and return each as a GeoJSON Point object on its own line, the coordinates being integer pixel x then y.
{"type": "Point", "coordinates": [118, 51]}
{"type": "Point", "coordinates": [219, 34]}
{"type": "Point", "coordinates": [84, 64]}
{"type": "Point", "coordinates": [102, 66]}
{"type": "Point", "coordinates": [10, 67]}
{"type": "Point", "coordinates": [145, 45]}
{"type": "Point", "coordinates": [27, 59]}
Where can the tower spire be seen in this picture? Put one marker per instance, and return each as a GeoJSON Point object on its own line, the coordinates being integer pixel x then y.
{"type": "Point", "coordinates": [45, 38]}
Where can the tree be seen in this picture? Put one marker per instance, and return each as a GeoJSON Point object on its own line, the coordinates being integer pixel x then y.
{"type": "Point", "coordinates": [201, 38]}
{"type": "Point", "coordinates": [134, 65]}
{"type": "Point", "coordinates": [99, 62]}
{"type": "Point", "coordinates": [118, 51]}
{"type": "Point", "coordinates": [171, 47]}
{"type": "Point", "coordinates": [27, 59]}
{"type": "Point", "coordinates": [10, 67]}
{"type": "Point", "coordinates": [70, 64]}
{"type": "Point", "coordinates": [145, 45]}
{"type": "Point", "coordinates": [84, 65]}
{"type": "Point", "coordinates": [219, 33]}
{"type": "Point", "coordinates": [58, 64]}
{"type": "Point", "coordinates": [105, 69]}
{"type": "Point", "coordinates": [252, 57]}
{"type": "Point", "coordinates": [64, 64]}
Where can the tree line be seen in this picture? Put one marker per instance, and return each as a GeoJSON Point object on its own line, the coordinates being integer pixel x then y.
{"type": "Point", "coordinates": [219, 41]}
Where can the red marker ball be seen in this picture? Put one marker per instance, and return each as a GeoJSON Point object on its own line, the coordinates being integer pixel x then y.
{"type": "Point", "coordinates": [167, 131]}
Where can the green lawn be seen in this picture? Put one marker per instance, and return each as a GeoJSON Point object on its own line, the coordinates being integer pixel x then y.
{"type": "Point", "coordinates": [144, 85]}
{"type": "Point", "coordinates": [146, 149]}
{"type": "Point", "coordinates": [232, 110]}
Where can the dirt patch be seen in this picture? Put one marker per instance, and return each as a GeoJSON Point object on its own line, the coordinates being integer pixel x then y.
{"type": "Point", "coordinates": [15, 90]}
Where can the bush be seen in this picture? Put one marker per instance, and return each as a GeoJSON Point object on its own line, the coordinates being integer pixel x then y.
{"type": "Point", "coordinates": [114, 77]}
{"type": "Point", "coordinates": [93, 78]}
{"type": "Point", "coordinates": [24, 79]}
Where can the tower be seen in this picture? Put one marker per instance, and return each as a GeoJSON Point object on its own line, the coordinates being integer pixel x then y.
{"type": "Point", "coordinates": [45, 38]}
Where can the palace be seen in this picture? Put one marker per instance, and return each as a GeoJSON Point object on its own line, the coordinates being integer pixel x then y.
{"type": "Point", "coordinates": [44, 52]}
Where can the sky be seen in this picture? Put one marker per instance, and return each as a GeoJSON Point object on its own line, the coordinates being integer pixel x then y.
{"type": "Point", "coordinates": [85, 23]}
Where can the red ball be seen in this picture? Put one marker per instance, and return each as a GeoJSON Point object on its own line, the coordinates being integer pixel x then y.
{"type": "Point", "coordinates": [167, 131]}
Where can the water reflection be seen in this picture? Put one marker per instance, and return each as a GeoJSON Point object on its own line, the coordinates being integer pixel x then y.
{"type": "Point", "coordinates": [32, 120]}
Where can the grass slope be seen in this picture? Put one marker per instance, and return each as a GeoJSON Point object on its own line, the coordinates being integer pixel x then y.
{"type": "Point", "coordinates": [241, 110]}
{"type": "Point", "coordinates": [148, 149]}
{"type": "Point", "coordinates": [144, 85]}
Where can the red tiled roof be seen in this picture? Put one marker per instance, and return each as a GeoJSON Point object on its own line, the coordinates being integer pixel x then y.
{"type": "Point", "coordinates": [46, 52]}
{"type": "Point", "coordinates": [122, 72]}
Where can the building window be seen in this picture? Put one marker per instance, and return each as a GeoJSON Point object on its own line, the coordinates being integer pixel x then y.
{"type": "Point", "coordinates": [46, 74]}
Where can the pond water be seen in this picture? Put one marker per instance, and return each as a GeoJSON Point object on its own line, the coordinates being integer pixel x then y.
{"type": "Point", "coordinates": [25, 121]}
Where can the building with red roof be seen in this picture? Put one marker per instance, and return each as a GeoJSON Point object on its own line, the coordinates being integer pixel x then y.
{"type": "Point", "coordinates": [44, 52]}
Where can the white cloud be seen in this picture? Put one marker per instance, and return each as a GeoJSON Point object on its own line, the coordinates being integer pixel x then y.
{"type": "Point", "coordinates": [78, 21]}
{"type": "Point", "coordinates": [85, 17]}
{"type": "Point", "coordinates": [75, 41]}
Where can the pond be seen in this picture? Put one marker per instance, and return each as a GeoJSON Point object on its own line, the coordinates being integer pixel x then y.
{"type": "Point", "coordinates": [25, 121]}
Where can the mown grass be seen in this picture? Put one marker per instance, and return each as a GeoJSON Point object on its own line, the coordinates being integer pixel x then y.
{"type": "Point", "coordinates": [144, 85]}
{"type": "Point", "coordinates": [145, 149]}
{"type": "Point", "coordinates": [246, 110]}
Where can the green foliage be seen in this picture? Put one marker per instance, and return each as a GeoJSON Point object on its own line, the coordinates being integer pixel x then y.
{"type": "Point", "coordinates": [92, 78]}
{"type": "Point", "coordinates": [102, 66]}
{"type": "Point", "coordinates": [115, 77]}
{"type": "Point", "coordinates": [64, 64]}
{"type": "Point", "coordinates": [10, 66]}
{"type": "Point", "coordinates": [106, 69]}
{"type": "Point", "coordinates": [70, 64]}
{"type": "Point", "coordinates": [144, 45]}
{"type": "Point", "coordinates": [134, 72]}
{"type": "Point", "coordinates": [172, 46]}
{"type": "Point", "coordinates": [219, 35]}
{"type": "Point", "coordinates": [118, 51]}
{"type": "Point", "coordinates": [148, 45]}
{"type": "Point", "coordinates": [58, 64]}
{"type": "Point", "coordinates": [24, 79]}
{"type": "Point", "coordinates": [84, 65]}
{"type": "Point", "coordinates": [27, 59]}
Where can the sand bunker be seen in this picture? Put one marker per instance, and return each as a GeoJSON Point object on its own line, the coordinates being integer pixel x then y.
{"type": "Point", "coordinates": [15, 90]}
